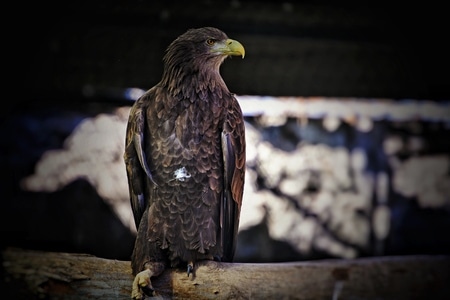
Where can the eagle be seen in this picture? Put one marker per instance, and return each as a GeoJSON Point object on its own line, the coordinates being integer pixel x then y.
{"type": "Point", "coordinates": [185, 160]}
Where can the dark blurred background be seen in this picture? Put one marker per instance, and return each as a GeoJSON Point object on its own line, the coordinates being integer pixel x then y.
{"type": "Point", "coordinates": [307, 48]}
{"type": "Point", "coordinates": [70, 67]}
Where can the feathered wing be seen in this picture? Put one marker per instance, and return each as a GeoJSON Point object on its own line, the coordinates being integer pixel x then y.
{"type": "Point", "coordinates": [138, 173]}
{"type": "Point", "coordinates": [233, 149]}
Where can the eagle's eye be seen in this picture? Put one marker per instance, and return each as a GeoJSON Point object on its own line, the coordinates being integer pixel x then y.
{"type": "Point", "coordinates": [210, 42]}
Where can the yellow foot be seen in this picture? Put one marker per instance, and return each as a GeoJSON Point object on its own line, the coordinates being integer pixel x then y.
{"type": "Point", "coordinates": [142, 284]}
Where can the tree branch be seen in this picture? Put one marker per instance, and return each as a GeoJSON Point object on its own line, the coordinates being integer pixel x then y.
{"type": "Point", "coordinates": [31, 274]}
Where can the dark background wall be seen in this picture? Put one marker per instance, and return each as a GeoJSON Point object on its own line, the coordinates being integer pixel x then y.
{"type": "Point", "coordinates": [71, 61]}
{"type": "Point", "coordinates": [306, 48]}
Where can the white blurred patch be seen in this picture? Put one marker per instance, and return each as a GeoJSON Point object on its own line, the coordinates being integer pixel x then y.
{"type": "Point", "coordinates": [392, 144]}
{"type": "Point", "coordinates": [364, 124]}
{"type": "Point", "coordinates": [382, 188]}
{"type": "Point", "coordinates": [424, 177]}
{"type": "Point", "coordinates": [94, 151]}
{"type": "Point", "coordinates": [381, 222]}
{"type": "Point", "coordinates": [331, 123]}
{"type": "Point", "coordinates": [330, 195]}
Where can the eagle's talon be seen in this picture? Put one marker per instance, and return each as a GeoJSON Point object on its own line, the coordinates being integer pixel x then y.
{"type": "Point", "coordinates": [142, 285]}
{"type": "Point", "coordinates": [190, 268]}
{"type": "Point", "coordinates": [149, 291]}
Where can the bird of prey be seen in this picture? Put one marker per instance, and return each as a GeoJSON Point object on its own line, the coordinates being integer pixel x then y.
{"type": "Point", "coordinates": [185, 160]}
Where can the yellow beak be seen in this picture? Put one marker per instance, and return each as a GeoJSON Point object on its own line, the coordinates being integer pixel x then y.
{"type": "Point", "coordinates": [230, 47]}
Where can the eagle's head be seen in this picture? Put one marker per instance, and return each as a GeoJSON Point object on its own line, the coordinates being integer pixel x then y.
{"type": "Point", "coordinates": [202, 45]}
{"type": "Point", "coordinates": [198, 53]}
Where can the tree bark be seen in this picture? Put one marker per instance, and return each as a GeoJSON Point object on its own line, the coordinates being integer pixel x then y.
{"type": "Point", "coordinates": [48, 275]}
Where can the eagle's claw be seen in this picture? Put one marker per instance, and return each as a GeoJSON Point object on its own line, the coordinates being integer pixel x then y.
{"type": "Point", "coordinates": [149, 291]}
{"type": "Point", "coordinates": [190, 269]}
{"type": "Point", "coordinates": [141, 285]}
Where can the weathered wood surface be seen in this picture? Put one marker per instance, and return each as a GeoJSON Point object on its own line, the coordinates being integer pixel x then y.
{"type": "Point", "coordinates": [47, 275]}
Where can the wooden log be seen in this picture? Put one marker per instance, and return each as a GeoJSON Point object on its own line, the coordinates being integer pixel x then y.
{"type": "Point", "coordinates": [48, 275]}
